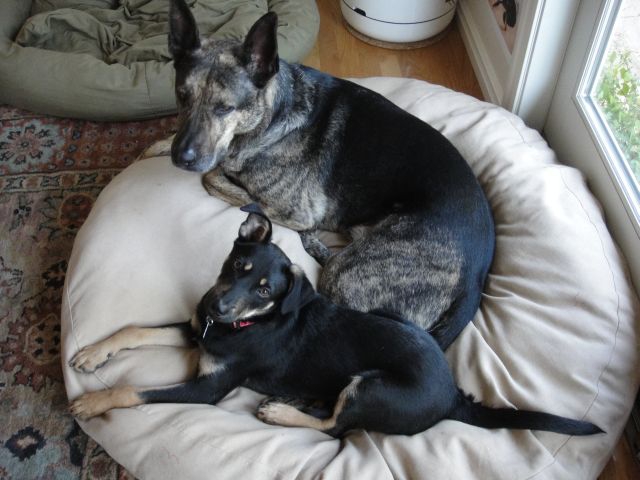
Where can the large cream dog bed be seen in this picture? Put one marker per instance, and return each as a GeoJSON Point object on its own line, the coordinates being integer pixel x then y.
{"type": "Point", "coordinates": [557, 329]}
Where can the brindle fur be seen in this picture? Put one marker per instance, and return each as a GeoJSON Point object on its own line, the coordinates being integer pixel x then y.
{"type": "Point", "coordinates": [317, 152]}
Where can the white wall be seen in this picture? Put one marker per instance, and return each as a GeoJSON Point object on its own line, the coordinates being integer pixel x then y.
{"type": "Point", "coordinates": [521, 81]}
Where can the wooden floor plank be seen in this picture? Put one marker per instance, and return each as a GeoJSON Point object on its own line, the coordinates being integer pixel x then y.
{"type": "Point", "coordinates": [339, 53]}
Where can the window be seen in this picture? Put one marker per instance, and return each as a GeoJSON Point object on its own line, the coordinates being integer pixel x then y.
{"type": "Point", "coordinates": [593, 122]}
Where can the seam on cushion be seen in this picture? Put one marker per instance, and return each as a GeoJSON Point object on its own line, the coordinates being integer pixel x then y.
{"type": "Point", "coordinates": [615, 338]}
{"type": "Point", "coordinates": [146, 82]}
{"type": "Point", "coordinates": [73, 331]}
{"type": "Point", "coordinates": [510, 120]}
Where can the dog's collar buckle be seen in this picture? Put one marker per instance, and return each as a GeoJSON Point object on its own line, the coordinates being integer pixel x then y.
{"type": "Point", "coordinates": [209, 323]}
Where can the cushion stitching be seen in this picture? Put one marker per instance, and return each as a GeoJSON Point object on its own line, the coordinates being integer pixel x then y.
{"type": "Point", "coordinates": [73, 330]}
{"type": "Point", "coordinates": [146, 82]}
{"type": "Point", "coordinates": [615, 338]}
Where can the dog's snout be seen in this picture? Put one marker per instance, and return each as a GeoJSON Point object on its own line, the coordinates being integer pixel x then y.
{"type": "Point", "coordinates": [184, 152]}
{"type": "Point", "coordinates": [222, 307]}
{"type": "Point", "coordinates": [188, 156]}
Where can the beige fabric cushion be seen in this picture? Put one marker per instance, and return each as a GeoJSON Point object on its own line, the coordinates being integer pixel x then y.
{"type": "Point", "coordinates": [556, 331]}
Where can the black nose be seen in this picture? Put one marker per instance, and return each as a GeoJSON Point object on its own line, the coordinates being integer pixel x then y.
{"type": "Point", "coordinates": [222, 307]}
{"type": "Point", "coordinates": [188, 156]}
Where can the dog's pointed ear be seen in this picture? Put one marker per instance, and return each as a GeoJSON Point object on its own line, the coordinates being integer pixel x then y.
{"type": "Point", "coordinates": [183, 31]}
{"type": "Point", "coordinates": [260, 50]}
{"type": "Point", "coordinates": [257, 227]}
{"type": "Point", "coordinates": [300, 291]}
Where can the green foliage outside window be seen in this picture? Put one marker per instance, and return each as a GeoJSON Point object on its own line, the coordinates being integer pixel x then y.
{"type": "Point", "coordinates": [618, 94]}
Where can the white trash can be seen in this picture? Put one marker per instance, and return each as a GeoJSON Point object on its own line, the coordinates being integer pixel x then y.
{"type": "Point", "coordinates": [398, 21]}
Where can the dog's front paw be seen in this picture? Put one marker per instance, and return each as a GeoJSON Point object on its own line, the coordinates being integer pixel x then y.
{"type": "Point", "coordinates": [90, 405]}
{"type": "Point", "coordinates": [90, 358]}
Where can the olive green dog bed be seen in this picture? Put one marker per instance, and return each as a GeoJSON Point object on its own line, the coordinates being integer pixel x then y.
{"type": "Point", "coordinates": [108, 59]}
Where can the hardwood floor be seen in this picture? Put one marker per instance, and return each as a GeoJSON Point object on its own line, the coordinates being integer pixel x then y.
{"type": "Point", "coordinates": [339, 53]}
{"type": "Point", "coordinates": [446, 63]}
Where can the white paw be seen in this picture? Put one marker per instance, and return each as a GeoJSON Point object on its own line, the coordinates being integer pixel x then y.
{"type": "Point", "coordinates": [274, 413]}
{"type": "Point", "coordinates": [90, 358]}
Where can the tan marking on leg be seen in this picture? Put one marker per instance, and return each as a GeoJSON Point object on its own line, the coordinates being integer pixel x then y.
{"type": "Point", "coordinates": [158, 149]}
{"type": "Point", "coordinates": [208, 364]}
{"type": "Point", "coordinates": [96, 403]}
{"type": "Point", "coordinates": [91, 357]}
{"type": "Point", "coordinates": [276, 413]}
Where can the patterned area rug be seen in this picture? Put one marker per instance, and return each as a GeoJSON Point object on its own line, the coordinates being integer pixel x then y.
{"type": "Point", "coordinates": [51, 171]}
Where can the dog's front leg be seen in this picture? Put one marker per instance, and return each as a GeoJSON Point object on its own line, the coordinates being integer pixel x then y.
{"type": "Point", "coordinates": [217, 184]}
{"type": "Point", "coordinates": [161, 148]}
{"type": "Point", "coordinates": [314, 246]}
{"type": "Point", "coordinates": [92, 357]}
{"type": "Point", "coordinates": [206, 388]}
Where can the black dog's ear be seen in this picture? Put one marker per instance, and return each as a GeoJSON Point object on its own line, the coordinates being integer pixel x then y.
{"type": "Point", "coordinates": [183, 31]}
{"type": "Point", "coordinates": [257, 227]}
{"type": "Point", "coordinates": [260, 50]}
{"type": "Point", "coordinates": [300, 291]}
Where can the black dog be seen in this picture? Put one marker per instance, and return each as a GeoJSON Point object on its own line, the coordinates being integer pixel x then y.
{"type": "Point", "coordinates": [263, 326]}
{"type": "Point", "coordinates": [319, 152]}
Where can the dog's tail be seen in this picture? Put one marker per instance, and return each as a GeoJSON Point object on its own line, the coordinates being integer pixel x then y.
{"type": "Point", "coordinates": [474, 413]}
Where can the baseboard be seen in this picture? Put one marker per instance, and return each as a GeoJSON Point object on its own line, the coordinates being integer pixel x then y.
{"type": "Point", "coordinates": [480, 59]}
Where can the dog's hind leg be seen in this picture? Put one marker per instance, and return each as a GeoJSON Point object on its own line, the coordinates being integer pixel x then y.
{"type": "Point", "coordinates": [405, 266]}
{"type": "Point", "coordinates": [373, 400]}
{"type": "Point", "coordinates": [316, 408]}
{"type": "Point", "coordinates": [92, 357]}
{"type": "Point", "coordinates": [276, 412]}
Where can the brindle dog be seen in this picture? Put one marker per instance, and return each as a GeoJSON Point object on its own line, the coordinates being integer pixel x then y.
{"type": "Point", "coordinates": [318, 152]}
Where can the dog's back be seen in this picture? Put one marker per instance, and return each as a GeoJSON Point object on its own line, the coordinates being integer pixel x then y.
{"type": "Point", "coordinates": [431, 239]}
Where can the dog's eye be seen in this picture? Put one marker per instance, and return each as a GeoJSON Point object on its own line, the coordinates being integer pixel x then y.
{"type": "Point", "coordinates": [222, 110]}
{"type": "Point", "coordinates": [237, 264]}
{"type": "Point", "coordinates": [264, 292]}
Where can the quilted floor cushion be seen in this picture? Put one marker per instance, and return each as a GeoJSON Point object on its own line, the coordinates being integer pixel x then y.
{"type": "Point", "coordinates": [557, 329]}
{"type": "Point", "coordinates": [109, 60]}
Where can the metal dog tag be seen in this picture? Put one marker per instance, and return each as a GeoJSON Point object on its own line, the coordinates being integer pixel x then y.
{"type": "Point", "coordinates": [209, 323]}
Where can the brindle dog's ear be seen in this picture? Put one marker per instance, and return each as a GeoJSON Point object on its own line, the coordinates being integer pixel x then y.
{"type": "Point", "coordinates": [183, 31]}
{"type": "Point", "coordinates": [257, 227]}
{"type": "Point", "coordinates": [260, 50]}
{"type": "Point", "coordinates": [300, 291]}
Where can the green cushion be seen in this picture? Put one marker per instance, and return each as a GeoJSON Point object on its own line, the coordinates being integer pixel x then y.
{"type": "Point", "coordinates": [108, 59]}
